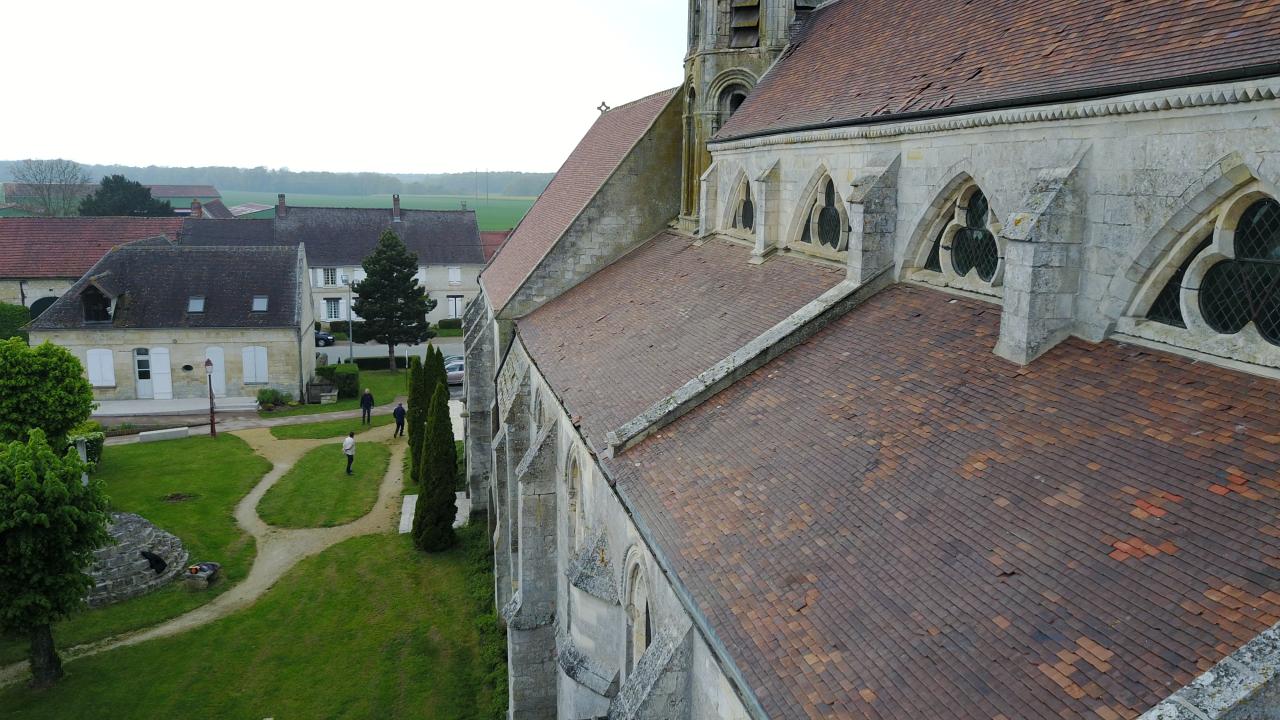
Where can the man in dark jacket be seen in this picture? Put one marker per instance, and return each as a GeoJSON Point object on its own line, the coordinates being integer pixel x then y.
{"type": "Point", "coordinates": [366, 407]}
{"type": "Point", "coordinates": [399, 415]}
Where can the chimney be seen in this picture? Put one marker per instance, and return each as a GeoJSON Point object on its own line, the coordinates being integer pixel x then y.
{"type": "Point", "coordinates": [395, 208]}
{"type": "Point", "coordinates": [197, 211]}
{"type": "Point", "coordinates": [281, 208]}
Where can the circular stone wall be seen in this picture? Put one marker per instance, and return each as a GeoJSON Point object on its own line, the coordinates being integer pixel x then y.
{"type": "Point", "coordinates": [119, 569]}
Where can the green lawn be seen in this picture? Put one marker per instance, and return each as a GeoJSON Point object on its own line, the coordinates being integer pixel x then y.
{"type": "Point", "coordinates": [214, 475]}
{"type": "Point", "coordinates": [328, 428]}
{"type": "Point", "coordinates": [495, 213]}
{"type": "Point", "coordinates": [317, 492]}
{"type": "Point", "coordinates": [370, 628]}
{"type": "Point", "coordinates": [385, 385]}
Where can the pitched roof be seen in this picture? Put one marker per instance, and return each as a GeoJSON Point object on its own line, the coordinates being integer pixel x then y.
{"type": "Point", "coordinates": [346, 236]}
{"type": "Point", "coordinates": [216, 210]}
{"type": "Point", "coordinates": [888, 521]}
{"type": "Point", "coordinates": [490, 241]}
{"type": "Point", "coordinates": [583, 173]}
{"type": "Point", "coordinates": [640, 328]}
{"type": "Point", "coordinates": [246, 208]}
{"type": "Point", "coordinates": [152, 281]}
{"type": "Point", "coordinates": [66, 247]}
{"type": "Point", "coordinates": [874, 60]}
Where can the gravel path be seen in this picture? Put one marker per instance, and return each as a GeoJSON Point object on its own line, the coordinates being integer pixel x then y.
{"type": "Point", "coordinates": [279, 549]}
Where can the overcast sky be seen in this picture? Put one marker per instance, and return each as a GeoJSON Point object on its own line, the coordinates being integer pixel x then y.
{"type": "Point", "coordinates": [380, 85]}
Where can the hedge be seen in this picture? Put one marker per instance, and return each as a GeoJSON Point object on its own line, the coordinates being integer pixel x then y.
{"type": "Point", "coordinates": [450, 324]}
{"type": "Point", "coordinates": [345, 377]}
{"type": "Point", "coordinates": [379, 363]}
{"type": "Point", "coordinates": [12, 318]}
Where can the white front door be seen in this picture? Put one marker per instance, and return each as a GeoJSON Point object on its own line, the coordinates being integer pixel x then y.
{"type": "Point", "coordinates": [142, 373]}
{"type": "Point", "coordinates": [218, 372]}
{"type": "Point", "coordinates": [161, 380]}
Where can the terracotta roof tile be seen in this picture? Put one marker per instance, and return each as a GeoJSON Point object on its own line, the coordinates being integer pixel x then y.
{"type": "Point", "coordinates": [67, 247]}
{"type": "Point", "coordinates": [643, 326]}
{"type": "Point", "coordinates": [888, 521]}
{"type": "Point", "coordinates": [583, 173]}
{"type": "Point", "coordinates": [872, 60]}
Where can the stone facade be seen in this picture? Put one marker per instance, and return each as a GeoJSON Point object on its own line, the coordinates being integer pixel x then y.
{"type": "Point", "coordinates": [119, 570]}
{"type": "Point", "coordinates": [33, 291]}
{"type": "Point", "coordinates": [434, 278]}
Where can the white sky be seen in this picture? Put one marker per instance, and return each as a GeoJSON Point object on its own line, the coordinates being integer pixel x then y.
{"type": "Point", "coordinates": [378, 85]}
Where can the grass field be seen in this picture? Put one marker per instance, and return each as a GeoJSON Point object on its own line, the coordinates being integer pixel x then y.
{"type": "Point", "coordinates": [385, 385]}
{"type": "Point", "coordinates": [369, 628]}
{"type": "Point", "coordinates": [494, 213]}
{"type": "Point", "coordinates": [328, 429]}
{"type": "Point", "coordinates": [317, 492]}
{"type": "Point", "coordinates": [190, 488]}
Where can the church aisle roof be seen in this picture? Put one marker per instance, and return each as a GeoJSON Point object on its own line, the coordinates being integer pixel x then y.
{"type": "Point", "coordinates": [889, 521]}
{"type": "Point", "coordinates": [649, 322]}
{"type": "Point", "coordinates": [588, 167]}
{"type": "Point", "coordinates": [874, 60]}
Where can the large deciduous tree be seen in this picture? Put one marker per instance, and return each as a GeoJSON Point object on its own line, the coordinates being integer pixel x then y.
{"type": "Point", "coordinates": [41, 387]}
{"type": "Point", "coordinates": [433, 517]}
{"type": "Point", "coordinates": [118, 195]}
{"type": "Point", "coordinates": [394, 306]}
{"type": "Point", "coordinates": [50, 524]}
{"type": "Point", "coordinates": [56, 186]}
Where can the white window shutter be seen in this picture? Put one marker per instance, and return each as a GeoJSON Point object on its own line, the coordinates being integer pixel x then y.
{"type": "Point", "coordinates": [100, 364]}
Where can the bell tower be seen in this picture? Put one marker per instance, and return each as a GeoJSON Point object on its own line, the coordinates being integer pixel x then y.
{"type": "Point", "coordinates": [731, 45]}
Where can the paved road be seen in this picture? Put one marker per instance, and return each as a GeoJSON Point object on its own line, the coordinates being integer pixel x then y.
{"type": "Point", "coordinates": [450, 346]}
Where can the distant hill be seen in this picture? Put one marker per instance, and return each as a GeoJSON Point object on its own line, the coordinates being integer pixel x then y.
{"type": "Point", "coordinates": [259, 179]}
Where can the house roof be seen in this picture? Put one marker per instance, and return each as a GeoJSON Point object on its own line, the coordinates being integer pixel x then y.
{"type": "Point", "coordinates": [889, 521]}
{"type": "Point", "coordinates": [582, 175]}
{"type": "Point", "coordinates": [152, 281]}
{"type": "Point", "coordinates": [490, 241]}
{"type": "Point", "coordinates": [14, 190]}
{"type": "Point", "coordinates": [247, 208]}
{"type": "Point", "coordinates": [640, 328]}
{"type": "Point", "coordinates": [875, 60]}
{"type": "Point", "coordinates": [66, 247]}
{"type": "Point", "coordinates": [216, 210]}
{"type": "Point", "coordinates": [346, 236]}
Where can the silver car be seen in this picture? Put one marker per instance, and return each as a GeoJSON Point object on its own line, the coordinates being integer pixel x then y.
{"type": "Point", "coordinates": [454, 371]}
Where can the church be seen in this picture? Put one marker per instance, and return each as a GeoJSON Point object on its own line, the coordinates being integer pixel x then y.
{"type": "Point", "coordinates": [909, 360]}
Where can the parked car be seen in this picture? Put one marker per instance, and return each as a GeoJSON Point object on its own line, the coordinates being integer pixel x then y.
{"type": "Point", "coordinates": [452, 358]}
{"type": "Point", "coordinates": [454, 371]}
{"type": "Point", "coordinates": [323, 339]}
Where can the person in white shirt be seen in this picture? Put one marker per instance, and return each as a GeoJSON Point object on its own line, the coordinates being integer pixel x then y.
{"type": "Point", "coordinates": [349, 449]}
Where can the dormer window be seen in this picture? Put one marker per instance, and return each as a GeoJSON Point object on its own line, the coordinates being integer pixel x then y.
{"type": "Point", "coordinates": [96, 305]}
{"type": "Point", "coordinates": [195, 304]}
{"type": "Point", "coordinates": [259, 303]}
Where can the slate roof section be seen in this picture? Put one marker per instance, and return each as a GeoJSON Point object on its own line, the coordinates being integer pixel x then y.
{"type": "Point", "coordinates": [152, 281]}
{"type": "Point", "coordinates": [33, 247]}
{"type": "Point", "coordinates": [216, 210]}
{"type": "Point", "coordinates": [889, 521]}
{"type": "Point", "coordinates": [346, 236]}
{"type": "Point", "coordinates": [875, 60]}
{"type": "Point", "coordinates": [641, 327]}
{"type": "Point", "coordinates": [578, 180]}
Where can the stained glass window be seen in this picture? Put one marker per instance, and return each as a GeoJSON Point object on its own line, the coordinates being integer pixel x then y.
{"type": "Point", "coordinates": [1167, 308]}
{"type": "Point", "coordinates": [1247, 289]}
{"type": "Point", "coordinates": [974, 246]}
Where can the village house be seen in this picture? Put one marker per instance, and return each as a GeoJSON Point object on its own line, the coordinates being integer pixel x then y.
{"type": "Point", "coordinates": [145, 318]}
{"type": "Point", "coordinates": [909, 360]}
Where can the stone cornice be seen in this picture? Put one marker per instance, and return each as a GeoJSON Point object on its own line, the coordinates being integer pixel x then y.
{"type": "Point", "coordinates": [1193, 97]}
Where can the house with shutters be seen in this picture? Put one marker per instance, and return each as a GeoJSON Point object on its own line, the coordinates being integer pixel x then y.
{"type": "Point", "coordinates": [145, 318]}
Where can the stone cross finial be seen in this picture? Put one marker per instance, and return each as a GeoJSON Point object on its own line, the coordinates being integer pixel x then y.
{"type": "Point", "coordinates": [604, 107]}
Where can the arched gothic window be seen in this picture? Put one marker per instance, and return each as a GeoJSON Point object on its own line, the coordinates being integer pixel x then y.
{"type": "Point", "coordinates": [730, 99]}
{"type": "Point", "coordinates": [535, 414]}
{"type": "Point", "coordinates": [574, 505]}
{"type": "Point", "coordinates": [826, 225]}
{"type": "Point", "coordinates": [744, 218]}
{"type": "Point", "coordinates": [966, 251]}
{"type": "Point", "coordinates": [1225, 292]}
{"type": "Point", "coordinates": [639, 620]}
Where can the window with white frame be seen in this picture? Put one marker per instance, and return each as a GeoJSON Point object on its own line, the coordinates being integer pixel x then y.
{"type": "Point", "coordinates": [101, 367]}
{"type": "Point", "coordinates": [333, 308]}
{"type": "Point", "coordinates": [254, 362]}
{"type": "Point", "coordinates": [1218, 288]}
{"type": "Point", "coordinates": [966, 251]}
{"type": "Point", "coordinates": [330, 276]}
{"type": "Point", "coordinates": [455, 306]}
{"type": "Point", "coordinates": [455, 276]}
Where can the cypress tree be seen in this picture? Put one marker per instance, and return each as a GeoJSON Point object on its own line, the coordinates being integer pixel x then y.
{"type": "Point", "coordinates": [416, 415]}
{"type": "Point", "coordinates": [434, 515]}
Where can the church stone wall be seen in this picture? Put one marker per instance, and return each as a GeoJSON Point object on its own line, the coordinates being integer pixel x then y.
{"type": "Point", "coordinates": [1133, 163]}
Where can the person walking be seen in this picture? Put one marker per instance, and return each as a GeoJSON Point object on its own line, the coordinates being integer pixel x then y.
{"type": "Point", "coordinates": [366, 407]}
{"type": "Point", "coordinates": [349, 449]}
{"type": "Point", "coordinates": [399, 415]}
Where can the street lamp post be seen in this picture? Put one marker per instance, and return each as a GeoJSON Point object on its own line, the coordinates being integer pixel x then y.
{"type": "Point", "coordinates": [208, 372]}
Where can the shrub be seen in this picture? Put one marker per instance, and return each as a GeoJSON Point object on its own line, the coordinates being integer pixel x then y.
{"type": "Point", "coordinates": [93, 443]}
{"type": "Point", "coordinates": [344, 377]}
{"type": "Point", "coordinates": [450, 324]}
{"type": "Point", "coordinates": [271, 396]}
{"type": "Point", "coordinates": [436, 509]}
{"type": "Point", "coordinates": [12, 318]}
{"type": "Point", "coordinates": [41, 387]}
{"type": "Point", "coordinates": [379, 363]}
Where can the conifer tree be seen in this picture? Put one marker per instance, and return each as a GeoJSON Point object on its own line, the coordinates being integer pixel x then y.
{"type": "Point", "coordinates": [436, 509]}
{"type": "Point", "coordinates": [118, 195]}
{"type": "Point", "coordinates": [394, 306]}
{"type": "Point", "coordinates": [416, 416]}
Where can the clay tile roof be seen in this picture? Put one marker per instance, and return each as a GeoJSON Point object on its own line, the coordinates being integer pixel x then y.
{"type": "Point", "coordinates": [152, 281]}
{"type": "Point", "coordinates": [67, 247]}
{"type": "Point", "coordinates": [872, 60]}
{"type": "Point", "coordinates": [643, 326]}
{"type": "Point", "coordinates": [583, 173]}
{"type": "Point", "coordinates": [889, 522]}
{"type": "Point", "coordinates": [490, 241]}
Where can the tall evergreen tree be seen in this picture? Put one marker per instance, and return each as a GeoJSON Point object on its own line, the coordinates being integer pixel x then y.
{"type": "Point", "coordinates": [118, 195]}
{"type": "Point", "coordinates": [394, 306]}
{"type": "Point", "coordinates": [416, 417]}
{"type": "Point", "coordinates": [50, 524]}
{"type": "Point", "coordinates": [433, 517]}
